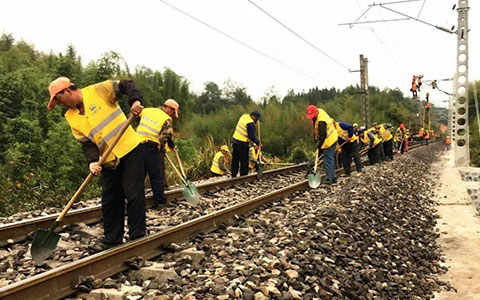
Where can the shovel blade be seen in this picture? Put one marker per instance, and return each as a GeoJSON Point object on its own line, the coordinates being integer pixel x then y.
{"type": "Point", "coordinates": [190, 193]}
{"type": "Point", "coordinates": [43, 244]}
{"type": "Point", "coordinates": [314, 180]}
{"type": "Point", "coordinates": [260, 171]}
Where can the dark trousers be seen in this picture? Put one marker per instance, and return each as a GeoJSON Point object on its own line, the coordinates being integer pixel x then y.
{"type": "Point", "coordinates": [240, 157]}
{"type": "Point", "coordinates": [374, 154]}
{"type": "Point", "coordinates": [347, 155]}
{"type": "Point", "coordinates": [151, 162]}
{"type": "Point", "coordinates": [381, 152]}
{"type": "Point", "coordinates": [388, 149]}
{"type": "Point", "coordinates": [356, 156]}
{"type": "Point", "coordinates": [161, 163]}
{"type": "Point", "coordinates": [125, 181]}
{"type": "Point", "coordinates": [338, 159]}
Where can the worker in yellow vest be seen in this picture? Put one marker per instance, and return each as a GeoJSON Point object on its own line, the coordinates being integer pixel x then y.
{"type": "Point", "coordinates": [244, 131]}
{"type": "Point", "coordinates": [372, 142]}
{"type": "Point", "coordinates": [155, 129]}
{"type": "Point", "coordinates": [95, 118]}
{"type": "Point", "coordinates": [348, 141]}
{"type": "Point", "coordinates": [326, 136]}
{"type": "Point", "coordinates": [387, 139]}
{"type": "Point", "coordinates": [218, 167]}
{"type": "Point", "coordinates": [376, 131]}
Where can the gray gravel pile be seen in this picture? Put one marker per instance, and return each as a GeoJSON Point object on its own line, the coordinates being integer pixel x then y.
{"type": "Point", "coordinates": [368, 237]}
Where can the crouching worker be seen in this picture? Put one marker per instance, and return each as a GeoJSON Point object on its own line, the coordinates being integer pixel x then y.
{"type": "Point", "coordinates": [218, 167]}
{"type": "Point", "coordinates": [370, 141]}
{"type": "Point", "coordinates": [95, 118]}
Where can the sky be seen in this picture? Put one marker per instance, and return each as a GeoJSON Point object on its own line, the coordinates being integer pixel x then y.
{"type": "Point", "coordinates": [153, 34]}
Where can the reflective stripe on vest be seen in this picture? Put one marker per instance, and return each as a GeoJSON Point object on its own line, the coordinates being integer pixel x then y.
{"type": "Point", "coordinates": [241, 133]}
{"type": "Point", "coordinates": [332, 135]}
{"type": "Point", "coordinates": [102, 120]}
{"type": "Point", "coordinates": [215, 163]}
{"type": "Point", "coordinates": [151, 122]}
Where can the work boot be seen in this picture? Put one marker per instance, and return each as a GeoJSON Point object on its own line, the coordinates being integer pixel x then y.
{"type": "Point", "coordinates": [99, 247]}
{"type": "Point", "coordinates": [162, 205]}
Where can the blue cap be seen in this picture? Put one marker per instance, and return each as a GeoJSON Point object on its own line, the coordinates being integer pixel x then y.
{"type": "Point", "coordinates": [256, 113]}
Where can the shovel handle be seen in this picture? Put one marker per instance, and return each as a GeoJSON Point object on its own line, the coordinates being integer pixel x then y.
{"type": "Point", "coordinates": [340, 146]}
{"type": "Point", "coordinates": [175, 169]}
{"type": "Point", "coordinates": [100, 162]}
{"type": "Point", "coordinates": [316, 161]}
{"type": "Point", "coordinates": [180, 163]}
{"type": "Point", "coordinates": [260, 140]}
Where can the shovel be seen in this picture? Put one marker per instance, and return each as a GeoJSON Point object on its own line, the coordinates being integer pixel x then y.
{"type": "Point", "coordinates": [45, 241]}
{"type": "Point", "coordinates": [189, 190]}
{"type": "Point", "coordinates": [260, 165]}
{"type": "Point", "coordinates": [315, 179]}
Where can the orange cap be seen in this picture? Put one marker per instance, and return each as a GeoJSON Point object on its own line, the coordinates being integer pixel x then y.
{"type": "Point", "coordinates": [311, 111]}
{"type": "Point", "coordinates": [55, 87]}
{"type": "Point", "coordinates": [173, 104]}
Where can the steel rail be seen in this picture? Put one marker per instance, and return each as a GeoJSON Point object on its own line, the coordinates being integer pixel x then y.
{"type": "Point", "coordinates": [59, 282]}
{"type": "Point", "coordinates": [19, 230]}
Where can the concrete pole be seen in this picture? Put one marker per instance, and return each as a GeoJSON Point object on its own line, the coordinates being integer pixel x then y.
{"type": "Point", "coordinates": [364, 87]}
{"type": "Point", "coordinates": [461, 145]}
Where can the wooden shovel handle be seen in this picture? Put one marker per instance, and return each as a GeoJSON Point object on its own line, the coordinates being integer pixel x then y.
{"type": "Point", "coordinates": [100, 162]}
{"type": "Point", "coordinates": [175, 169]}
{"type": "Point", "coordinates": [179, 162]}
{"type": "Point", "coordinates": [316, 162]}
{"type": "Point", "coordinates": [260, 141]}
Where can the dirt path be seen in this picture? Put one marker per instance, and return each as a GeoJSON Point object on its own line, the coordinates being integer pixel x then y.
{"type": "Point", "coordinates": [459, 225]}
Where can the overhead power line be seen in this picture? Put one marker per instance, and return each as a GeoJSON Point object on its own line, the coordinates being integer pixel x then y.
{"type": "Point", "coordinates": [238, 41]}
{"type": "Point", "coordinates": [421, 8]}
{"type": "Point", "coordinates": [298, 35]}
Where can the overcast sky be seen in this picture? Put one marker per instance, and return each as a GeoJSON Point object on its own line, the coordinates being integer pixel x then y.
{"type": "Point", "coordinates": [155, 35]}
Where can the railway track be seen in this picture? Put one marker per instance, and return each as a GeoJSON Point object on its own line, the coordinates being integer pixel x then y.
{"type": "Point", "coordinates": [21, 229]}
{"type": "Point", "coordinates": [57, 283]}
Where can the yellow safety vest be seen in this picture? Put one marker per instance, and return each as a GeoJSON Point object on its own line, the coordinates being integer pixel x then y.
{"type": "Point", "coordinates": [343, 134]}
{"type": "Point", "coordinates": [254, 155]}
{"type": "Point", "coordinates": [366, 138]}
{"type": "Point", "coordinates": [386, 134]}
{"type": "Point", "coordinates": [151, 122]}
{"type": "Point", "coordinates": [241, 133]}
{"type": "Point", "coordinates": [332, 135]}
{"type": "Point", "coordinates": [102, 120]}
{"type": "Point", "coordinates": [215, 167]}
{"type": "Point", "coordinates": [398, 135]}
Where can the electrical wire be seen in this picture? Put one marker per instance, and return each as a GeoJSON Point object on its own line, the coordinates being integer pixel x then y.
{"type": "Point", "coordinates": [238, 41]}
{"type": "Point", "coordinates": [297, 35]}
{"type": "Point", "coordinates": [421, 8]}
{"type": "Point", "coordinates": [375, 34]}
